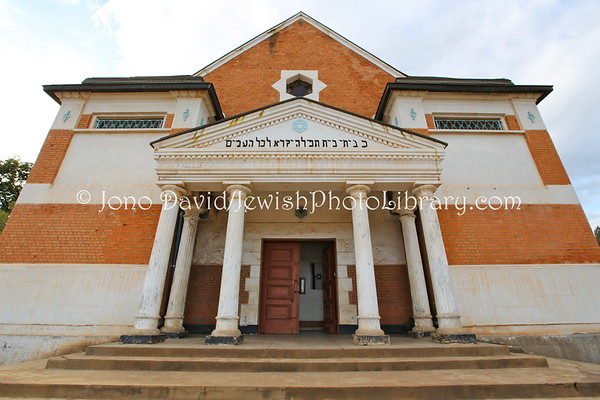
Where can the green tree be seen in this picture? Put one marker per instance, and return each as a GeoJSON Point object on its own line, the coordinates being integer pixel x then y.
{"type": "Point", "coordinates": [597, 233]}
{"type": "Point", "coordinates": [13, 174]}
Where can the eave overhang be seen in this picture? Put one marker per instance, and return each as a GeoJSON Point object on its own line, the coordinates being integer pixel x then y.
{"type": "Point", "coordinates": [453, 85]}
{"type": "Point", "coordinates": [139, 84]}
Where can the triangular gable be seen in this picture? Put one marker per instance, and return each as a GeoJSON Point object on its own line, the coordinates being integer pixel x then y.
{"type": "Point", "coordinates": [297, 17]}
{"type": "Point", "coordinates": [299, 125]}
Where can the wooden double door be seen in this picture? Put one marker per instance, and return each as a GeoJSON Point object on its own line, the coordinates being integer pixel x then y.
{"type": "Point", "coordinates": [280, 288]}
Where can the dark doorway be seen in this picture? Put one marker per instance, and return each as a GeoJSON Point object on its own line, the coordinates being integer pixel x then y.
{"type": "Point", "coordinates": [298, 287]}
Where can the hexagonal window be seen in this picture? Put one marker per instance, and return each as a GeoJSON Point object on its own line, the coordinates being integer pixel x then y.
{"type": "Point", "coordinates": [298, 84]}
{"type": "Point", "coordinates": [299, 88]}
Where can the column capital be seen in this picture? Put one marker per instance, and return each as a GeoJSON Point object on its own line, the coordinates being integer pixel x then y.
{"type": "Point", "coordinates": [173, 189]}
{"type": "Point", "coordinates": [423, 190]}
{"type": "Point", "coordinates": [238, 190]}
{"type": "Point", "coordinates": [193, 213]}
{"type": "Point", "coordinates": [358, 190]}
{"type": "Point", "coordinates": [407, 205]}
{"type": "Point", "coordinates": [406, 213]}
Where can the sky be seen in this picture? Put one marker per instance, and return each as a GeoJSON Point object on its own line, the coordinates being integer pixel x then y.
{"type": "Point", "coordinates": [545, 42]}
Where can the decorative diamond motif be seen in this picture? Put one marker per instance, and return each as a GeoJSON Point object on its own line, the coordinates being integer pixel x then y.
{"type": "Point", "coordinates": [300, 125]}
{"type": "Point", "coordinates": [145, 123]}
{"type": "Point", "coordinates": [476, 124]}
{"type": "Point", "coordinates": [531, 116]}
{"type": "Point", "coordinates": [186, 114]}
{"type": "Point", "coordinates": [67, 116]}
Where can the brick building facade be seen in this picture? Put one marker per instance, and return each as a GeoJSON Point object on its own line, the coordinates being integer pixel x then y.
{"type": "Point", "coordinates": [92, 250]}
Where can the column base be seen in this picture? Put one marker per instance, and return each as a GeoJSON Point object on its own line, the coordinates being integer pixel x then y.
{"type": "Point", "coordinates": [371, 340]}
{"type": "Point", "coordinates": [453, 337]}
{"type": "Point", "coordinates": [142, 338]}
{"type": "Point", "coordinates": [418, 334]}
{"type": "Point", "coordinates": [225, 340]}
{"type": "Point", "coordinates": [176, 335]}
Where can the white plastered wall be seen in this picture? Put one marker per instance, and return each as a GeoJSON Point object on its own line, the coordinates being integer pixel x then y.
{"type": "Point", "coordinates": [505, 299]}
{"type": "Point", "coordinates": [114, 162]}
{"type": "Point", "coordinates": [534, 299]}
{"type": "Point", "coordinates": [50, 309]}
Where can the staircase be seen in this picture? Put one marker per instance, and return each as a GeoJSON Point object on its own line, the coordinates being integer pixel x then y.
{"type": "Point", "coordinates": [323, 368]}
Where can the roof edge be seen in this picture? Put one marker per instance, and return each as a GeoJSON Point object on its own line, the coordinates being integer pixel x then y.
{"type": "Point", "coordinates": [461, 86]}
{"type": "Point", "coordinates": [282, 25]}
{"type": "Point", "coordinates": [136, 84]}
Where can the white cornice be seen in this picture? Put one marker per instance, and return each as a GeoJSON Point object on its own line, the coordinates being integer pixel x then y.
{"type": "Point", "coordinates": [304, 17]}
{"type": "Point", "coordinates": [182, 155]}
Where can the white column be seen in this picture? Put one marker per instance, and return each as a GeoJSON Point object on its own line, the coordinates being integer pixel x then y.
{"type": "Point", "coordinates": [416, 275]}
{"type": "Point", "coordinates": [368, 310]}
{"type": "Point", "coordinates": [447, 313]}
{"type": "Point", "coordinates": [176, 306]}
{"type": "Point", "coordinates": [227, 315]}
{"type": "Point", "coordinates": [146, 321]}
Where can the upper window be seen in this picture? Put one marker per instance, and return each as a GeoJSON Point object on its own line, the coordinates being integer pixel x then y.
{"type": "Point", "coordinates": [299, 84]}
{"type": "Point", "coordinates": [299, 88]}
{"type": "Point", "coordinates": [482, 124]}
{"type": "Point", "coordinates": [129, 123]}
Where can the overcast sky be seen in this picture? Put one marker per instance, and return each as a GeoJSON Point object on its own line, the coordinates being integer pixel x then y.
{"type": "Point", "coordinates": [531, 42]}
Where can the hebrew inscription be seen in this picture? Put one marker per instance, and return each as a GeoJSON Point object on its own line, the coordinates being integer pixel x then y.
{"type": "Point", "coordinates": [296, 143]}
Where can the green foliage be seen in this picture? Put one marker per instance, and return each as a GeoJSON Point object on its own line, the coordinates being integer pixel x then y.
{"type": "Point", "coordinates": [13, 174]}
{"type": "Point", "coordinates": [3, 219]}
{"type": "Point", "coordinates": [597, 233]}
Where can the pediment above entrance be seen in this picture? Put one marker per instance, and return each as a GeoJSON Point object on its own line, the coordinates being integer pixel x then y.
{"type": "Point", "coordinates": [298, 125]}
{"type": "Point", "coordinates": [298, 141]}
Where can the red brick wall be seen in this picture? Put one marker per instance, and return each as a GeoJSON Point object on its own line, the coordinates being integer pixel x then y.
{"type": "Point", "coordinates": [85, 121]}
{"type": "Point", "coordinates": [202, 301]}
{"type": "Point", "coordinates": [536, 234]}
{"type": "Point", "coordinates": [511, 123]}
{"type": "Point", "coordinates": [243, 292]}
{"type": "Point", "coordinates": [430, 123]}
{"type": "Point", "coordinates": [546, 158]}
{"type": "Point", "coordinates": [352, 275]}
{"type": "Point", "coordinates": [169, 121]}
{"type": "Point", "coordinates": [393, 294]}
{"type": "Point", "coordinates": [244, 83]}
{"type": "Point", "coordinates": [420, 130]}
{"type": "Point", "coordinates": [74, 233]}
{"type": "Point", "coordinates": [51, 156]}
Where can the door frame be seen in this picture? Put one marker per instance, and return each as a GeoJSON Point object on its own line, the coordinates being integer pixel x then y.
{"type": "Point", "coordinates": [263, 272]}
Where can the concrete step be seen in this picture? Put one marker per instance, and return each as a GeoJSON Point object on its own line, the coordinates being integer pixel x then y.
{"type": "Point", "coordinates": [449, 350]}
{"type": "Point", "coordinates": [559, 381]}
{"type": "Point", "coordinates": [230, 364]}
{"type": "Point", "coordinates": [304, 367]}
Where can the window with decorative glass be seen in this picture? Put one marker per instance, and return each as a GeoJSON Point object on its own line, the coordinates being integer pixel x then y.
{"type": "Point", "coordinates": [478, 124]}
{"type": "Point", "coordinates": [129, 123]}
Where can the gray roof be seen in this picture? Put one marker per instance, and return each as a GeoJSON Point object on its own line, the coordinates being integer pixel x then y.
{"type": "Point", "coordinates": [441, 80]}
{"type": "Point", "coordinates": [139, 84]}
{"type": "Point", "coordinates": [462, 85]}
{"type": "Point", "coordinates": [143, 80]}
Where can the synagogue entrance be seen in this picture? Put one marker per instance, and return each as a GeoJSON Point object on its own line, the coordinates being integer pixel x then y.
{"type": "Point", "coordinates": [298, 287]}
